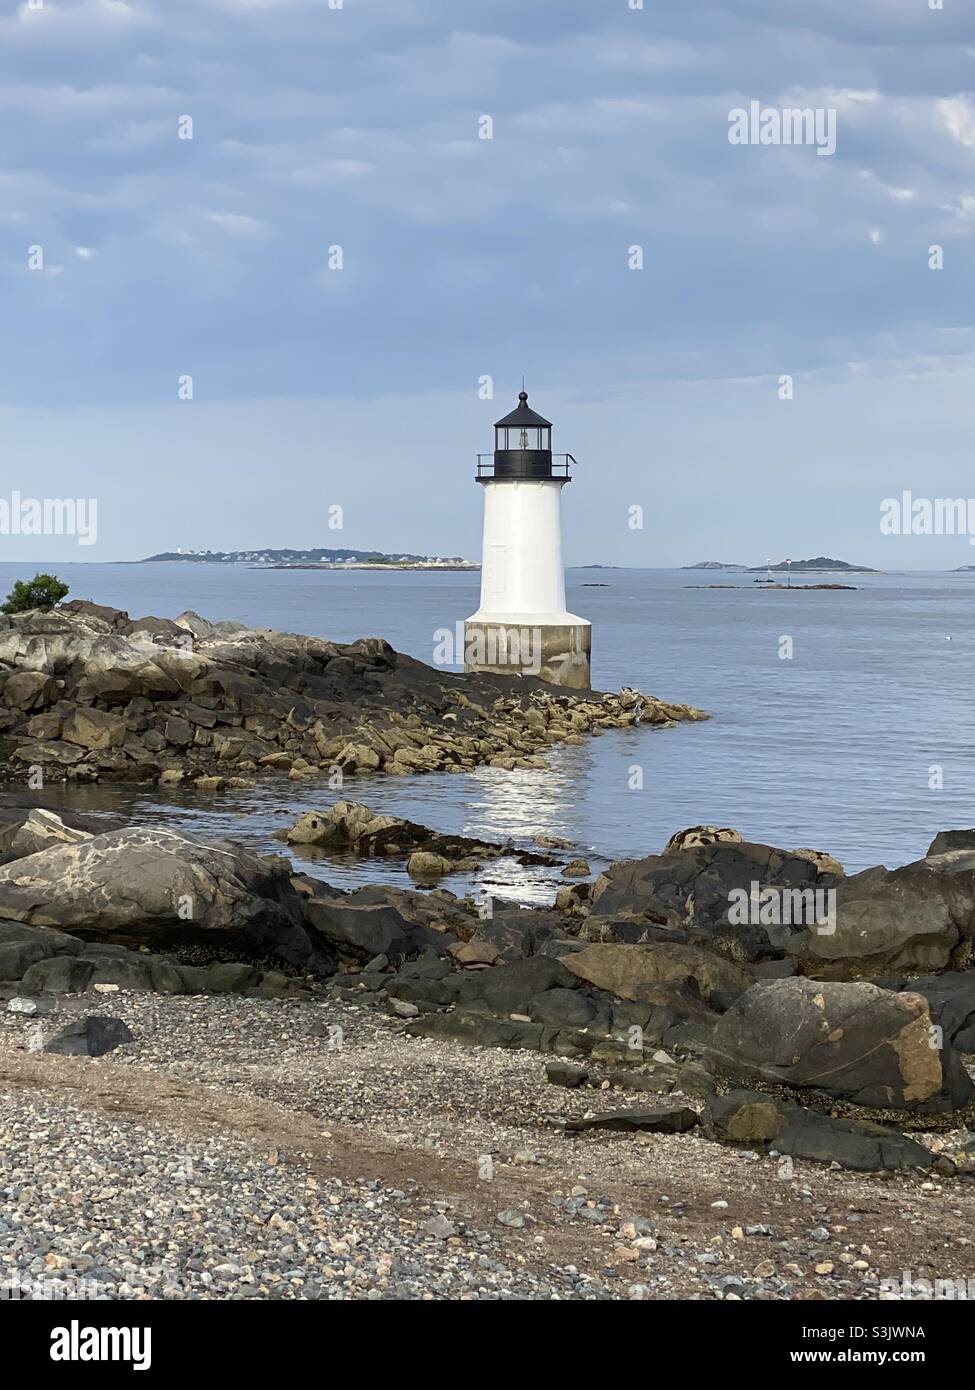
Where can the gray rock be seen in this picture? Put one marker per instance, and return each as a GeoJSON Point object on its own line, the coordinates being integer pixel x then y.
{"type": "Point", "coordinates": [477, 1030]}
{"type": "Point", "coordinates": [513, 987]}
{"type": "Point", "coordinates": [519, 933]}
{"type": "Point", "coordinates": [28, 690]}
{"type": "Point", "coordinates": [89, 1037]}
{"type": "Point", "coordinates": [128, 972]}
{"type": "Point", "coordinates": [661, 1080]}
{"type": "Point", "coordinates": [19, 1005]}
{"type": "Point", "coordinates": [16, 958]}
{"type": "Point", "coordinates": [153, 886]}
{"type": "Point", "coordinates": [690, 889]}
{"type": "Point", "coordinates": [516, 1220]}
{"type": "Point", "coordinates": [402, 1009]}
{"type": "Point", "coordinates": [367, 930]}
{"type": "Point", "coordinates": [226, 977]}
{"type": "Point", "coordinates": [868, 1046]}
{"type": "Point", "coordinates": [59, 975]}
{"type": "Point", "coordinates": [166, 978]}
{"type": "Point", "coordinates": [52, 942]}
{"type": "Point", "coordinates": [751, 1119]}
{"type": "Point", "coordinates": [564, 1074]}
{"type": "Point", "coordinates": [37, 830]}
{"type": "Point", "coordinates": [578, 868]}
{"type": "Point", "coordinates": [886, 923]}
{"type": "Point", "coordinates": [426, 993]}
{"type": "Point", "coordinates": [562, 1008]}
{"type": "Point", "coordinates": [660, 1120]}
{"type": "Point", "coordinates": [178, 732]}
{"type": "Point", "coordinates": [632, 971]}
{"type": "Point", "coordinates": [951, 998]}
{"type": "Point", "coordinates": [946, 841]}
{"type": "Point", "coordinates": [439, 1227]}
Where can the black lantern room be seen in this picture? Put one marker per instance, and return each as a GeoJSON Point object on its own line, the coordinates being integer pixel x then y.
{"type": "Point", "coordinates": [522, 448]}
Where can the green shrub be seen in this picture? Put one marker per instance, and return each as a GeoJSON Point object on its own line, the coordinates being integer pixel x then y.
{"type": "Point", "coordinates": [43, 591]}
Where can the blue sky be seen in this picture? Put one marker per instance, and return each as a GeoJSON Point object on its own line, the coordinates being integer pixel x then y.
{"type": "Point", "coordinates": [464, 258]}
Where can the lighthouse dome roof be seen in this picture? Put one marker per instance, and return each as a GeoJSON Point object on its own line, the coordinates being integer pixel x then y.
{"type": "Point", "coordinates": [523, 415]}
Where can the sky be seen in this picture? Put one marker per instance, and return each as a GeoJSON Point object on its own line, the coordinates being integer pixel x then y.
{"type": "Point", "coordinates": [309, 303]}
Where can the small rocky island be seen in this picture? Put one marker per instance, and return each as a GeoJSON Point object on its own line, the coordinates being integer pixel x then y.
{"type": "Point", "coordinates": [820, 564]}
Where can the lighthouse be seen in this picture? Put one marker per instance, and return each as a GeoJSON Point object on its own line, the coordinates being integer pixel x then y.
{"type": "Point", "coordinates": [522, 625]}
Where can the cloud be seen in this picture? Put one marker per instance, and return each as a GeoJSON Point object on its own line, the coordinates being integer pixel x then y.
{"type": "Point", "coordinates": [958, 114]}
{"type": "Point", "coordinates": [240, 224]}
{"type": "Point", "coordinates": [53, 22]}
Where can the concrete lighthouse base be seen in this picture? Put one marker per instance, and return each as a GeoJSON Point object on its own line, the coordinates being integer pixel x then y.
{"type": "Point", "coordinates": [555, 652]}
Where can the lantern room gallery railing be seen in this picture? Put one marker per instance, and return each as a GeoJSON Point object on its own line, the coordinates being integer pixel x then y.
{"type": "Point", "coordinates": [526, 464]}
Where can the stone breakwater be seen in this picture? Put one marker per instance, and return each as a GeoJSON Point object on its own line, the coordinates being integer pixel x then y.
{"type": "Point", "coordinates": [89, 694]}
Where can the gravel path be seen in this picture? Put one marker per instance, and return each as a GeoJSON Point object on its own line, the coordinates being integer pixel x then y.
{"type": "Point", "coordinates": [243, 1148]}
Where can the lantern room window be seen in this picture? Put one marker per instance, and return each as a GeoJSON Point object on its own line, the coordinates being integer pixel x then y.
{"type": "Point", "coordinates": [524, 437]}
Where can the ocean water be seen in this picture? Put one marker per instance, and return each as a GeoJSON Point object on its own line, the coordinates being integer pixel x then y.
{"type": "Point", "coordinates": [861, 742]}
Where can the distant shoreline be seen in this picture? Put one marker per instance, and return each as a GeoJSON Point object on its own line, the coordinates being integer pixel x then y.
{"type": "Point", "coordinates": [468, 566]}
{"type": "Point", "coordinates": [433, 567]}
{"type": "Point", "coordinates": [308, 557]}
{"type": "Point", "coordinates": [465, 568]}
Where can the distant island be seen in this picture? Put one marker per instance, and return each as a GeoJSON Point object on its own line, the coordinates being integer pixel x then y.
{"type": "Point", "coordinates": [315, 558]}
{"type": "Point", "coordinates": [822, 564]}
{"type": "Point", "coordinates": [713, 565]}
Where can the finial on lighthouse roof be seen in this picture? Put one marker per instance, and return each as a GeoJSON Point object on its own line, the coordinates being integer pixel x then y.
{"type": "Point", "coordinates": [523, 415]}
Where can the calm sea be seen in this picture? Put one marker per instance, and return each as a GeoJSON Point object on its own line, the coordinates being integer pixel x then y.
{"type": "Point", "coordinates": [861, 743]}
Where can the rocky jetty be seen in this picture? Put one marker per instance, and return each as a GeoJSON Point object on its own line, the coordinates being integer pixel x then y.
{"type": "Point", "coordinates": [89, 694]}
{"type": "Point", "coordinates": [645, 979]}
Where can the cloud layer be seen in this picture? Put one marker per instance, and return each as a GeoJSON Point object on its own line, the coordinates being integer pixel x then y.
{"type": "Point", "coordinates": [315, 128]}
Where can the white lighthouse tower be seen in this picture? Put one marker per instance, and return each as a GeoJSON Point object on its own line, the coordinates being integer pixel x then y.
{"type": "Point", "coordinates": [522, 625]}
